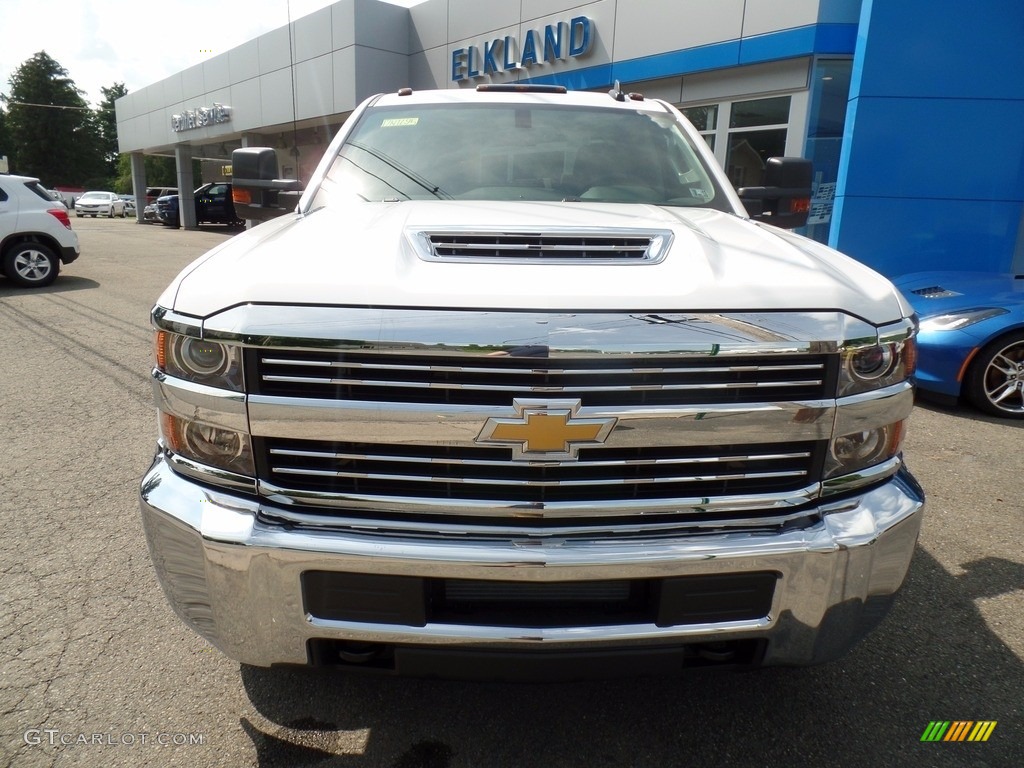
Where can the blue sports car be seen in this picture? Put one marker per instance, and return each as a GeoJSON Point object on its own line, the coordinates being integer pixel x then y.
{"type": "Point", "coordinates": [971, 344]}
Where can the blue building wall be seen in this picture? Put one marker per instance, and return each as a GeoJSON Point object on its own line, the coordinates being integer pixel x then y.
{"type": "Point", "coordinates": [811, 40]}
{"type": "Point", "coordinates": [932, 168]}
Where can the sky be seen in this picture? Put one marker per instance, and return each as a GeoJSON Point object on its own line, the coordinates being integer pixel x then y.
{"type": "Point", "coordinates": [135, 42]}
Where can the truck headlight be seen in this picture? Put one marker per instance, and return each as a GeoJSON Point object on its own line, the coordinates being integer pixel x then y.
{"type": "Point", "coordinates": [199, 360]}
{"type": "Point", "coordinates": [876, 365]}
{"type": "Point", "coordinates": [870, 363]}
{"type": "Point", "coordinates": [216, 447]}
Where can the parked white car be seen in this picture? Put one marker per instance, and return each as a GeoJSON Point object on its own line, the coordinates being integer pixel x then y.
{"type": "Point", "coordinates": [100, 204]}
{"type": "Point", "coordinates": [35, 233]}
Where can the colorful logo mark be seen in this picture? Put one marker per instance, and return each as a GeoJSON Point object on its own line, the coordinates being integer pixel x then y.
{"type": "Point", "coordinates": [958, 730]}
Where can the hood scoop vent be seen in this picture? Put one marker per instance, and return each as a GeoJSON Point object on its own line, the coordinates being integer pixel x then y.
{"type": "Point", "coordinates": [935, 292]}
{"type": "Point", "coordinates": [549, 247]}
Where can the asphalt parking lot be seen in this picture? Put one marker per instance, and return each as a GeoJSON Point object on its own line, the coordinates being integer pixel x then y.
{"type": "Point", "coordinates": [95, 670]}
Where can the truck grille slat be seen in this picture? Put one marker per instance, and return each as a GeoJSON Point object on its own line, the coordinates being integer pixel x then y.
{"type": "Point", "coordinates": [500, 388]}
{"type": "Point", "coordinates": [473, 473]}
{"type": "Point", "coordinates": [636, 369]}
{"type": "Point", "coordinates": [504, 462]}
{"type": "Point", "coordinates": [496, 378]}
{"type": "Point", "coordinates": [535, 483]}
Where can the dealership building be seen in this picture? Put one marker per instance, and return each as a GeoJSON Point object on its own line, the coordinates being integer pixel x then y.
{"type": "Point", "coordinates": [909, 110]}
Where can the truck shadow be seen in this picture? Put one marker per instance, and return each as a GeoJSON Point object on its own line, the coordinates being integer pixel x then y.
{"type": "Point", "coordinates": [934, 658]}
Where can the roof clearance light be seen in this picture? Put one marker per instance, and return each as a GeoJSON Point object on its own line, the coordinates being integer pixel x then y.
{"type": "Point", "coordinates": [519, 88]}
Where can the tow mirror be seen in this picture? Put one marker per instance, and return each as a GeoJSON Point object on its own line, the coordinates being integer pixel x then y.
{"type": "Point", "coordinates": [255, 189]}
{"type": "Point", "coordinates": [785, 199]}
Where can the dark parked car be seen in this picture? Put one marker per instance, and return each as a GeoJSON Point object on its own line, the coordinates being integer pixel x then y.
{"type": "Point", "coordinates": [213, 205]}
{"type": "Point", "coordinates": [152, 193]}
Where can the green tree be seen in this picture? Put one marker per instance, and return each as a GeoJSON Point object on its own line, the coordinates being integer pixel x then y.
{"type": "Point", "coordinates": [5, 135]}
{"type": "Point", "coordinates": [106, 124]}
{"type": "Point", "coordinates": [53, 132]}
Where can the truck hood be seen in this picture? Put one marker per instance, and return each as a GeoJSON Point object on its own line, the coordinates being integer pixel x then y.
{"type": "Point", "coordinates": [364, 254]}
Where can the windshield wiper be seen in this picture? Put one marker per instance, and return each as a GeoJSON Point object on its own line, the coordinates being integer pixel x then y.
{"type": "Point", "coordinates": [433, 189]}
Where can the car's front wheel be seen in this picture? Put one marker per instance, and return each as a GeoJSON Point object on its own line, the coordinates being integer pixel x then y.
{"type": "Point", "coordinates": [31, 265]}
{"type": "Point", "coordinates": [995, 382]}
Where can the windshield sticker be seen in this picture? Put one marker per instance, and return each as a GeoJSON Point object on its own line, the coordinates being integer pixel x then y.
{"type": "Point", "coordinates": [394, 122]}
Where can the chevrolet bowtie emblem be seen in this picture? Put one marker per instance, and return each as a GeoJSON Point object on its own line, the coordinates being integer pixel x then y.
{"type": "Point", "coordinates": [545, 430]}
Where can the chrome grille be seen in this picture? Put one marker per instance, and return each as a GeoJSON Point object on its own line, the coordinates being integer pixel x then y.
{"type": "Point", "coordinates": [496, 378]}
{"type": "Point", "coordinates": [374, 414]}
{"type": "Point", "coordinates": [393, 472]}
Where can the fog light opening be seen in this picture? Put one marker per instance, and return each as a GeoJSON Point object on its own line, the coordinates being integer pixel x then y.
{"type": "Point", "coordinates": [717, 653]}
{"type": "Point", "coordinates": [217, 446]}
{"type": "Point", "coordinates": [359, 653]}
{"type": "Point", "coordinates": [858, 447]}
{"type": "Point", "coordinates": [354, 654]}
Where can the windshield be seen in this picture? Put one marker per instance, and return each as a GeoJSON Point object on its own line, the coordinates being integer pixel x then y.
{"type": "Point", "coordinates": [520, 152]}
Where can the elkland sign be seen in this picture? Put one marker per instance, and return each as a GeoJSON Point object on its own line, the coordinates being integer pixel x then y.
{"type": "Point", "coordinates": [557, 42]}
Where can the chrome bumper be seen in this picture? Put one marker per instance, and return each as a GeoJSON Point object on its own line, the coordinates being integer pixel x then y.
{"type": "Point", "coordinates": [235, 578]}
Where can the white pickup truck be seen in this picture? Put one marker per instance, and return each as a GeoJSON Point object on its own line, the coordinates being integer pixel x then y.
{"type": "Point", "coordinates": [521, 389]}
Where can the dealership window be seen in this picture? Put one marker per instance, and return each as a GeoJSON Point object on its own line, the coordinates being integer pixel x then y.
{"type": "Point", "coordinates": [744, 133]}
{"type": "Point", "coordinates": [705, 120]}
{"type": "Point", "coordinates": [757, 131]}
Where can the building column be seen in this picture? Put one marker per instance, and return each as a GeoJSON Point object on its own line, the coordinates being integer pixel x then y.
{"type": "Point", "coordinates": [186, 183]}
{"type": "Point", "coordinates": [139, 184]}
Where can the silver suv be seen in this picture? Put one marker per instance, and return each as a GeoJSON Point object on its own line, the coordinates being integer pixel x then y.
{"type": "Point", "coordinates": [35, 233]}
